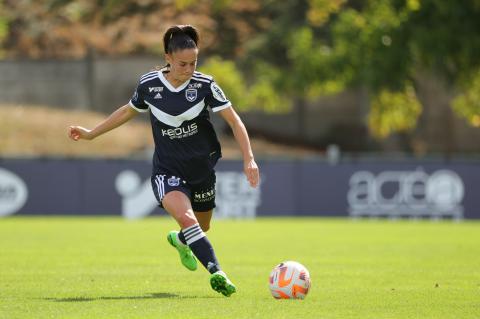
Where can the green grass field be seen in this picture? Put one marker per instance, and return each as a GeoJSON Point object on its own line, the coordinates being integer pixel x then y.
{"type": "Point", "coordinates": [112, 268]}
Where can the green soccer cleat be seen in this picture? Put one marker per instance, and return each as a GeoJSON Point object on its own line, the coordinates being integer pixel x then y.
{"type": "Point", "coordinates": [220, 283]}
{"type": "Point", "coordinates": [186, 255]}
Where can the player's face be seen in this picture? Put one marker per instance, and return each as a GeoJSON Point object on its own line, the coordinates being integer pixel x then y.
{"type": "Point", "coordinates": [182, 64]}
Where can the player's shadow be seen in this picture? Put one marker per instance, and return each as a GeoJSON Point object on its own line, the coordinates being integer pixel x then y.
{"type": "Point", "coordinates": [155, 295]}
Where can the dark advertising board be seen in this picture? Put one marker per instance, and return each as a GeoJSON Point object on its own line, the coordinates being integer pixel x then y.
{"type": "Point", "coordinates": [406, 189]}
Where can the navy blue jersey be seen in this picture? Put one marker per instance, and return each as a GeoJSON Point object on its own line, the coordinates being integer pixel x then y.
{"type": "Point", "coordinates": [185, 142]}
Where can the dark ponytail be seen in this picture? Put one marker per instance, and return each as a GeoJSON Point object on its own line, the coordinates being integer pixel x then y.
{"type": "Point", "coordinates": [180, 37]}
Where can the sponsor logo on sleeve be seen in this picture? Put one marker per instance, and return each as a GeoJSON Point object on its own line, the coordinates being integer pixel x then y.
{"type": "Point", "coordinates": [218, 93]}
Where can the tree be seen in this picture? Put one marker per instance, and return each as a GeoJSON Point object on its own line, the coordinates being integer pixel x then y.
{"type": "Point", "coordinates": [380, 45]}
{"type": "Point", "coordinates": [284, 51]}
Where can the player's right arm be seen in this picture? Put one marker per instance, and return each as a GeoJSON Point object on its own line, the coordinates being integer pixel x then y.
{"type": "Point", "coordinates": [117, 118]}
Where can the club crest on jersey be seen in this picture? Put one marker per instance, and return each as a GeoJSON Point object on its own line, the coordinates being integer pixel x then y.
{"type": "Point", "coordinates": [191, 95]}
{"type": "Point", "coordinates": [174, 181]}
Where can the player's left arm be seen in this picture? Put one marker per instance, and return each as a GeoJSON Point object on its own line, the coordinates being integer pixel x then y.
{"type": "Point", "coordinates": [241, 136]}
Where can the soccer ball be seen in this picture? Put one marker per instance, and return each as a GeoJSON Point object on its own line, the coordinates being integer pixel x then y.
{"type": "Point", "coordinates": [289, 280]}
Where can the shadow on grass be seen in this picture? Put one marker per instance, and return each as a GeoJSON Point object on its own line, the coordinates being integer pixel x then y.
{"type": "Point", "coordinates": [156, 295]}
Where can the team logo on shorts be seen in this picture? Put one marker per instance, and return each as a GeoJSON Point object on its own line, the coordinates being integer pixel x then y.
{"type": "Point", "coordinates": [191, 95]}
{"type": "Point", "coordinates": [174, 181]}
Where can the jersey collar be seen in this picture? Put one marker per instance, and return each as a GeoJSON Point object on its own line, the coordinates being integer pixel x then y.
{"type": "Point", "coordinates": [169, 86]}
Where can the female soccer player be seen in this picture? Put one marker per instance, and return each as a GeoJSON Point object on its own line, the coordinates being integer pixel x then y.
{"type": "Point", "coordinates": [186, 146]}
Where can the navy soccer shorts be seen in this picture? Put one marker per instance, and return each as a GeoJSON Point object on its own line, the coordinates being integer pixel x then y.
{"type": "Point", "coordinates": [202, 195]}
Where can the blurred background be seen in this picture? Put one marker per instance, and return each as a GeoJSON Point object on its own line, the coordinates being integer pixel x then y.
{"type": "Point", "coordinates": [355, 108]}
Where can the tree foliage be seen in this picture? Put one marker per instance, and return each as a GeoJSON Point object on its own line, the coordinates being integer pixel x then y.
{"type": "Point", "coordinates": [228, 76]}
{"type": "Point", "coordinates": [69, 28]}
{"type": "Point", "coordinates": [283, 50]}
{"type": "Point", "coordinates": [380, 45]}
{"type": "Point", "coordinates": [467, 104]}
{"type": "Point", "coordinates": [393, 111]}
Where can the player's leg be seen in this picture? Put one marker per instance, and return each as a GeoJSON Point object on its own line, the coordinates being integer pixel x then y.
{"type": "Point", "coordinates": [203, 202]}
{"type": "Point", "coordinates": [161, 185]}
{"type": "Point", "coordinates": [204, 219]}
{"type": "Point", "coordinates": [178, 206]}
{"type": "Point", "coordinates": [218, 280]}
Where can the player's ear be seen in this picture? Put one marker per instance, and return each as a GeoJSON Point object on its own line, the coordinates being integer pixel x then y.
{"type": "Point", "coordinates": [168, 58]}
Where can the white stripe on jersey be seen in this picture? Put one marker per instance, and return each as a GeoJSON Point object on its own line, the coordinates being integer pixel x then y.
{"type": "Point", "coordinates": [170, 86]}
{"type": "Point", "coordinates": [201, 75]}
{"type": "Point", "coordinates": [222, 107]}
{"type": "Point", "coordinates": [136, 108]}
{"type": "Point", "coordinates": [201, 79]}
{"type": "Point", "coordinates": [148, 74]}
{"type": "Point", "coordinates": [176, 121]}
{"type": "Point", "coordinates": [149, 78]}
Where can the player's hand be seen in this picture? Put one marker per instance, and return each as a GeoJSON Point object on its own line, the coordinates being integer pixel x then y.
{"type": "Point", "coordinates": [251, 171]}
{"type": "Point", "coordinates": [78, 132]}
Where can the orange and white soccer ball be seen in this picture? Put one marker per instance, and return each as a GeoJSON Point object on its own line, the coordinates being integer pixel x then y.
{"type": "Point", "coordinates": [289, 280]}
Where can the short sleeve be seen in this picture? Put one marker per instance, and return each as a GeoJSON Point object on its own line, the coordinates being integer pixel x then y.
{"type": "Point", "coordinates": [137, 101]}
{"type": "Point", "coordinates": [216, 99]}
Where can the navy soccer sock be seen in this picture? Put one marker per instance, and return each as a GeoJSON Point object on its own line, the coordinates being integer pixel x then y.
{"type": "Point", "coordinates": [181, 237]}
{"type": "Point", "coordinates": [201, 247]}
